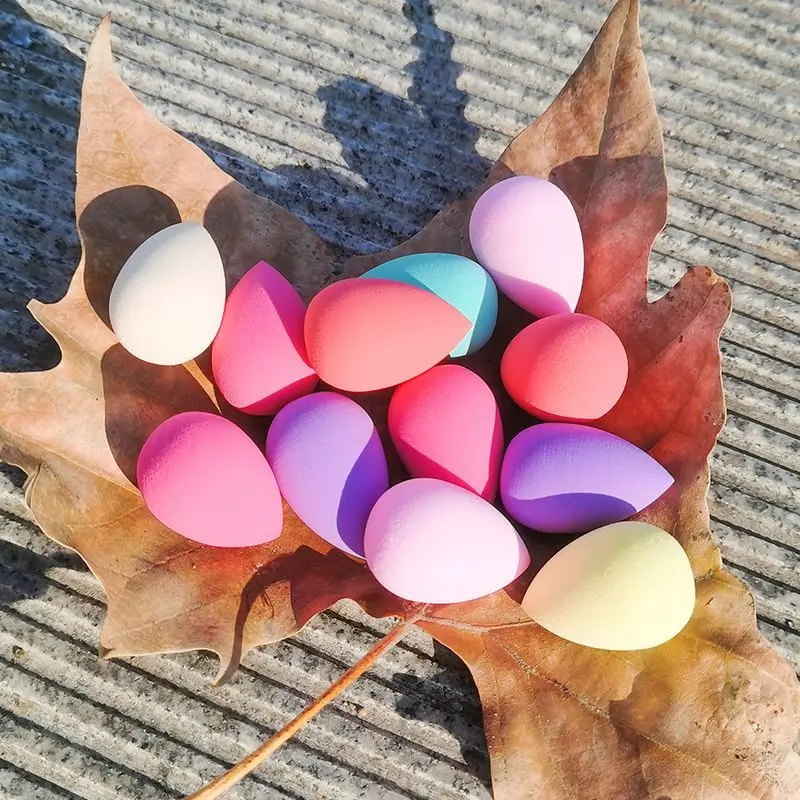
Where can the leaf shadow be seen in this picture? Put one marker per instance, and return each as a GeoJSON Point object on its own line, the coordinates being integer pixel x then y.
{"type": "Point", "coordinates": [313, 594]}
{"type": "Point", "coordinates": [392, 146]}
{"type": "Point", "coordinates": [23, 572]}
{"type": "Point", "coordinates": [113, 226]}
{"type": "Point", "coordinates": [448, 700]}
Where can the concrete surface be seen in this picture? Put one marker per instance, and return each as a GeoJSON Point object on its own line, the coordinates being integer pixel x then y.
{"type": "Point", "coordinates": [363, 117]}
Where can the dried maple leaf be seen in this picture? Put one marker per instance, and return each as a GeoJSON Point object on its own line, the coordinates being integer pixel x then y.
{"type": "Point", "coordinates": [712, 714]}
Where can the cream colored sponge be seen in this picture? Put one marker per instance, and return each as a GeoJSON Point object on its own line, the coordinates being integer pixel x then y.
{"type": "Point", "coordinates": [167, 301]}
{"type": "Point", "coordinates": [627, 586]}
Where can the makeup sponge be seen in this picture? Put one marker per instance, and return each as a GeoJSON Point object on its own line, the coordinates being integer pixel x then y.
{"type": "Point", "coordinates": [259, 356]}
{"type": "Point", "coordinates": [330, 466]}
{"type": "Point", "coordinates": [445, 424]}
{"type": "Point", "coordinates": [524, 231]}
{"type": "Point", "coordinates": [205, 478]}
{"type": "Point", "coordinates": [627, 586]}
{"type": "Point", "coordinates": [457, 280]}
{"type": "Point", "coordinates": [166, 303]}
{"type": "Point", "coordinates": [563, 478]}
{"type": "Point", "coordinates": [364, 334]}
{"type": "Point", "coordinates": [432, 542]}
{"type": "Point", "coordinates": [569, 367]}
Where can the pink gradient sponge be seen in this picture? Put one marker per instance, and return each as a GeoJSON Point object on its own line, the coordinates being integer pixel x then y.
{"type": "Point", "coordinates": [429, 541]}
{"type": "Point", "coordinates": [445, 424]}
{"type": "Point", "coordinates": [259, 357]}
{"type": "Point", "coordinates": [205, 478]}
{"type": "Point", "coordinates": [568, 367]}
{"type": "Point", "coordinates": [526, 235]}
{"type": "Point", "coordinates": [364, 334]}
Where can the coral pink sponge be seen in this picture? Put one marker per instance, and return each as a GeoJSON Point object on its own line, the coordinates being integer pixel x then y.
{"type": "Point", "coordinates": [568, 367]}
{"type": "Point", "coordinates": [367, 333]}
{"type": "Point", "coordinates": [445, 424]}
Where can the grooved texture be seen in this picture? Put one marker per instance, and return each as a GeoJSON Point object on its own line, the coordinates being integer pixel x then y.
{"type": "Point", "coordinates": [364, 117]}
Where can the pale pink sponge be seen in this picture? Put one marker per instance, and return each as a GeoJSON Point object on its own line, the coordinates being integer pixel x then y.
{"type": "Point", "coordinates": [364, 334]}
{"type": "Point", "coordinates": [567, 367]}
{"type": "Point", "coordinates": [445, 424]}
{"type": "Point", "coordinates": [524, 231]}
{"type": "Point", "coordinates": [330, 466]}
{"type": "Point", "coordinates": [429, 541]}
{"type": "Point", "coordinates": [205, 478]}
{"type": "Point", "coordinates": [259, 356]}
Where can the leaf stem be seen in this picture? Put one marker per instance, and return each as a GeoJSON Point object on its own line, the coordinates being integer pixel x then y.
{"type": "Point", "coordinates": [244, 767]}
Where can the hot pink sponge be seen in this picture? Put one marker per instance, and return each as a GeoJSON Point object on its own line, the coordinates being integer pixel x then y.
{"type": "Point", "coordinates": [259, 356]}
{"type": "Point", "coordinates": [429, 541]}
{"type": "Point", "coordinates": [364, 334]}
{"type": "Point", "coordinates": [204, 477]}
{"type": "Point", "coordinates": [568, 367]}
{"type": "Point", "coordinates": [445, 424]}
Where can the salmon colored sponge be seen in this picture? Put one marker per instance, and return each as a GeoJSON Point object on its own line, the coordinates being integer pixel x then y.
{"type": "Point", "coordinates": [565, 368]}
{"type": "Point", "coordinates": [364, 334]}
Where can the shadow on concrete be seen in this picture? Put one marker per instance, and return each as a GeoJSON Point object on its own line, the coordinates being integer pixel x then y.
{"type": "Point", "coordinates": [37, 133]}
{"type": "Point", "coordinates": [448, 699]}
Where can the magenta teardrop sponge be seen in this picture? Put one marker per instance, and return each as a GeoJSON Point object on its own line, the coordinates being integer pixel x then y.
{"type": "Point", "coordinates": [259, 356]}
{"type": "Point", "coordinates": [205, 478]}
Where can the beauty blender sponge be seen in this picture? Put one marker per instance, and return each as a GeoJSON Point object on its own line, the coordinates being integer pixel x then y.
{"type": "Point", "coordinates": [524, 231]}
{"type": "Point", "coordinates": [330, 466]}
{"type": "Point", "coordinates": [364, 334]}
{"type": "Point", "coordinates": [445, 424]}
{"type": "Point", "coordinates": [459, 281]}
{"type": "Point", "coordinates": [429, 541]}
{"type": "Point", "coordinates": [259, 356]}
{"type": "Point", "coordinates": [166, 303]}
{"type": "Point", "coordinates": [626, 586]}
{"type": "Point", "coordinates": [563, 478]}
{"type": "Point", "coordinates": [569, 367]}
{"type": "Point", "coordinates": [205, 478]}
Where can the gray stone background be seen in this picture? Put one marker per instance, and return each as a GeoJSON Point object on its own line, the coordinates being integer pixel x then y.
{"type": "Point", "coordinates": [364, 117]}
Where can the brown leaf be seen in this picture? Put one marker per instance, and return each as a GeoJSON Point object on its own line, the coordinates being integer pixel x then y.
{"type": "Point", "coordinates": [712, 714]}
{"type": "Point", "coordinates": [77, 429]}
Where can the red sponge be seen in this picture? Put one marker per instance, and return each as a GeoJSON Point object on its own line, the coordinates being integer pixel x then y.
{"type": "Point", "coordinates": [566, 367]}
